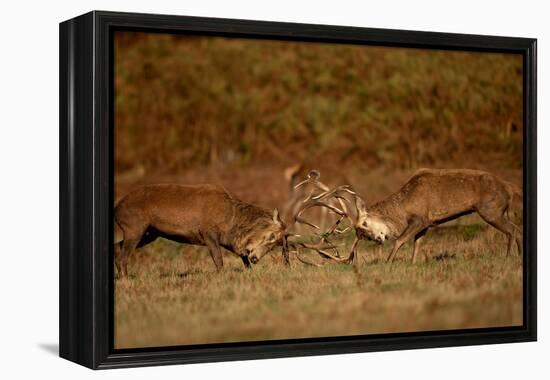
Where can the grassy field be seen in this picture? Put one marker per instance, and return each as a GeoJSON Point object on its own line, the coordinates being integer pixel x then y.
{"type": "Point", "coordinates": [174, 295]}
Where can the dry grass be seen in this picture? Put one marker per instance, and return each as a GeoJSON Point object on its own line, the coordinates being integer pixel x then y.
{"type": "Point", "coordinates": [175, 296]}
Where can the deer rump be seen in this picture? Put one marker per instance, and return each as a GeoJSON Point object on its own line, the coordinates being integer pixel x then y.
{"type": "Point", "coordinates": [200, 215]}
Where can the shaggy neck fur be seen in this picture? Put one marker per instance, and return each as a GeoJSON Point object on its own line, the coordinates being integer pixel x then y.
{"type": "Point", "coordinates": [247, 220]}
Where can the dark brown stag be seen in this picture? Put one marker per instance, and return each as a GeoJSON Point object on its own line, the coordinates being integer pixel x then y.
{"type": "Point", "coordinates": [201, 215]}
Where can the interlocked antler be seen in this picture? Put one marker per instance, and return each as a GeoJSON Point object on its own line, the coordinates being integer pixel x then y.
{"type": "Point", "coordinates": [322, 200]}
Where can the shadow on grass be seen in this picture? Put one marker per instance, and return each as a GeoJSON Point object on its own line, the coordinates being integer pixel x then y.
{"type": "Point", "coordinates": [444, 256]}
{"type": "Point", "coordinates": [194, 272]}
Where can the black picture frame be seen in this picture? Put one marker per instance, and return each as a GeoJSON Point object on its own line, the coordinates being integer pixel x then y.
{"type": "Point", "coordinates": [86, 189]}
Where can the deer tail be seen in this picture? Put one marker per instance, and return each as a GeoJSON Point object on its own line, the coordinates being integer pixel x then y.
{"type": "Point", "coordinates": [516, 195]}
{"type": "Point", "coordinates": [515, 192]}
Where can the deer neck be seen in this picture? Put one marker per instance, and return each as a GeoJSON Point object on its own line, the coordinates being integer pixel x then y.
{"type": "Point", "coordinates": [244, 224]}
{"type": "Point", "coordinates": [391, 216]}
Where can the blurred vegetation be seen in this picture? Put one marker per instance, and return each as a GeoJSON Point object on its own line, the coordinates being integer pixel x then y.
{"type": "Point", "coordinates": [184, 101]}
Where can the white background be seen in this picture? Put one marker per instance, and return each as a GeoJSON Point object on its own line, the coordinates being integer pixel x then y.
{"type": "Point", "coordinates": [29, 187]}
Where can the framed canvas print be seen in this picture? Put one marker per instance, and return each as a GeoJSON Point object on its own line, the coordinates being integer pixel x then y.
{"type": "Point", "coordinates": [237, 189]}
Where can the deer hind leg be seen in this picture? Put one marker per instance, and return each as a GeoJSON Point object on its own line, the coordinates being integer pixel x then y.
{"type": "Point", "coordinates": [518, 236]}
{"type": "Point", "coordinates": [132, 237]}
{"type": "Point", "coordinates": [415, 226]}
{"type": "Point", "coordinates": [497, 219]}
{"type": "Point", "coordinates": [118, 249]}
{"type": "Point", "coordinates": [519, 241]}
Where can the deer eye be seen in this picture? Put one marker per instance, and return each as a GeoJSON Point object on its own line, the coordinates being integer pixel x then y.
{"type": "Point", "coordinates": [272, 237]}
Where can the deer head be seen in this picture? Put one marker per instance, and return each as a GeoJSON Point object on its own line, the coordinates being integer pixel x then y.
{"type": "Point", "coordinates": [368, 226]}
{"type": "Point", "coordinates": [264, 236]}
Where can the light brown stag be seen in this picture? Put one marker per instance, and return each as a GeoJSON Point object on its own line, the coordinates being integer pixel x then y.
{"type": "Point", "coordinates": [201, 215]}
{"type": "Point", "coordinates": [430, 197]}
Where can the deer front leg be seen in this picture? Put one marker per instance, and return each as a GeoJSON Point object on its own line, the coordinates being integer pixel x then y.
{"type": "Point", "coordinates": [415, 226]}
{"type": "Point", "coordinates": [215, 251]}
{"type": "Point", "coordinates": [417, 239]}
{"type": "Point", "coordinates": [286, 256]}
{"type": "Point", "coordinates": [246, 262]}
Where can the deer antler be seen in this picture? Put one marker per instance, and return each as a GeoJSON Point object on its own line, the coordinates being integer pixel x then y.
{"type": "Point", "coordinates": [319, 200]}
{"type": "Point", "coordinates": [322, 200]}
{"type": "Point", "coordinates": [304, 261]}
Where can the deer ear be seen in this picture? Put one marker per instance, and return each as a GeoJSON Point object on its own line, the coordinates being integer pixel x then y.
{"type": "Point", "coordinates": [276, 217]}
{"type": "Point", "coordinates": [361, 206]}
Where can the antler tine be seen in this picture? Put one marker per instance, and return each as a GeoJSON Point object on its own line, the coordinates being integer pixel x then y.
{"type": "Point", "coordinates": [343, 205]}
{"type": "Point", "coordinates": [313, 178]}
{"type": "Point", "coordinates": [335, 193]}
{"type": "Point", "coordinates": [343, 231]}
{"type": "Point", "coordinates": [334, 227]}
{"type": "Point", "coordinates": [324, 237]}
{"type": "Point", "coordinates": [297, 253]}
{"type": "Point", "coordinates": [320, 245]}
{"type": "Point", "coordinates": [312, 203]}
{"type": "Point", "coordinates": [323, 253]}
{"type": "Point", "coordinates": [303, 221]}
{"type": "Point", "coordinates": [321, 248]}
